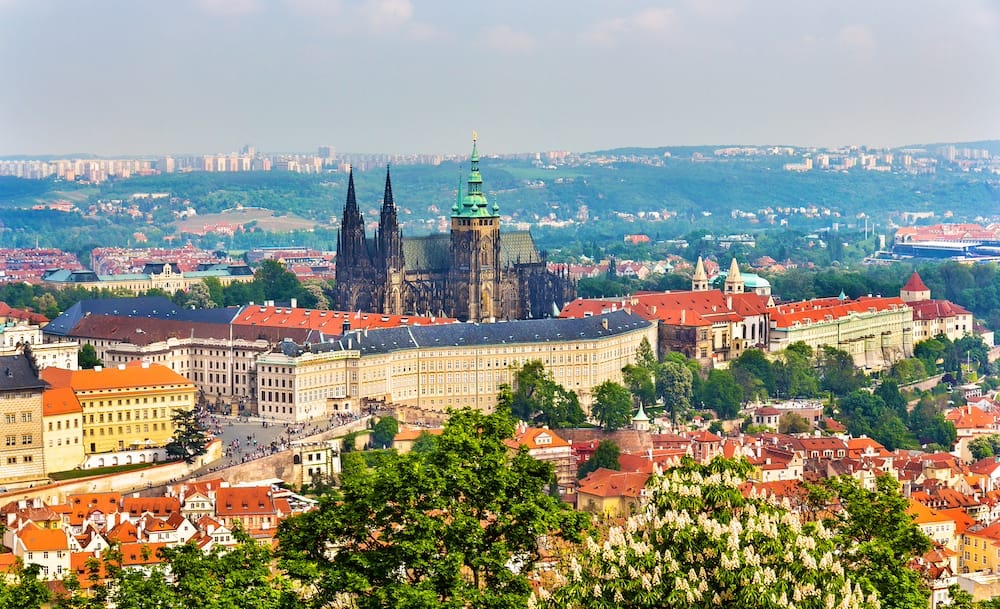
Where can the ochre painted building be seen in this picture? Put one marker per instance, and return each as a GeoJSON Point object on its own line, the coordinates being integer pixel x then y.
{"type": "Point", "coordinates": [128, 407]}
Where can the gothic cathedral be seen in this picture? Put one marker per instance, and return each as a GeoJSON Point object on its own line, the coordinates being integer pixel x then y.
{"type": "Point", "coordinates": [476, 273]}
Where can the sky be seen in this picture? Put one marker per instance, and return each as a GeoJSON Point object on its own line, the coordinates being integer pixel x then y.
{"type": "Point", "coordinates": [146, 77]}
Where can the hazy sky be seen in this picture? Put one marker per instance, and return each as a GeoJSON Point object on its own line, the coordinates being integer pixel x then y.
{"type": "Point", "coordinates": [172, 76]}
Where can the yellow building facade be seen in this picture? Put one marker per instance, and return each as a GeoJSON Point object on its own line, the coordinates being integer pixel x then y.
{"type": "Point", "coordinates": [435, 368]}
{"type": "Point", "coordinates": [63, 430]}
{"type": "Point", "coordinates": [129, 407]}
{"type": "Point", "coordinates": [22, 459]}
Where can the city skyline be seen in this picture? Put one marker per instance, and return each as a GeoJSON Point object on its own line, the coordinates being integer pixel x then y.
{"type": "Point", "coordinates": [208, 76]}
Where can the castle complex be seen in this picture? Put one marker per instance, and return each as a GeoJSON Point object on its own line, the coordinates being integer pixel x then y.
{"type": "Point", "coordinates": [475, 273]}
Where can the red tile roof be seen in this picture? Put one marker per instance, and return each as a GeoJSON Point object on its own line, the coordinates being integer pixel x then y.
{"type": "Point", "coordinates": [610, 483]}
{"type": "Point", "coordinates": [59, 400]}
{"type": "Point", "coordinates": [937, 309]}
{"type": "Point", "coordinates": [827, 309]}
{"type": "Point", "coordinates": [244, 501]}
{"type": "Point", "coordinates": [134, 374]}
{"type": "Point", "coordinates": [915, 284]}
{"type": "Point", "coordinates": [327, 322]}
{"type": "Point", "coordinates": [36, 539]}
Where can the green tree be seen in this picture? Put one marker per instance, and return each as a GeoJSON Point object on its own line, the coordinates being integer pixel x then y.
{"type": "Point", "coordinates": [754, 373]}
{"type": "Point", "coordinates": [837, 373]}
{"type": "Point", "coordinates": [792, 422]}
{"type": "Point", "coordinates": [87, 357]}
{"type": "Point", "coordinates": [190, 438]}
{"type": "Point", "coordinates": [877, 537]}
{"type": "Point", "coordinates": [612, 406]}
{"type": "Point", "coordinates": [276, 282]}
{"type": "Point", "coordinates": [674, 385]}
{"type": "Point", "coordinates": [721, 394]}
{"type": "Point", "coordinates": [980, 447]}
{"type": "Point", "coordinates": [440, 529]}
{"type": "Point", "coordinates": [384, 431]}
{"type": "Point", "coordinates": [425, 443]}
{"type": "Point", "coordinates": [22, 588]}
{"type": "Point", "coordinates": [606, 456]}
{"type": "Point", "coordinates": [538, 398]}
{"type": "Point", "coordinates": [215, 292]}
{"type": "Point", "coordinates": [640, 383]}
{"type": "Point", "coordinates": [794, 374]}
{"type": "Point", "coordinates": [197, 297]}
{"type": "Point", "coordinates": [698, 541]}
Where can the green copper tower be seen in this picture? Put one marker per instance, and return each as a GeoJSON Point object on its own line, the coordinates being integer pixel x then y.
{"type": "Point", "coordinates": [474, 203]}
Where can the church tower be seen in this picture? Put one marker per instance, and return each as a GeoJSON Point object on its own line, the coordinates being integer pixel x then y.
{"type": "Point", "coordinates": [734, 280]}
{"type": "Point", "coordinates": [473, 283]}
{"type": "Point", "coordinates": [699, 281]}
{"type": "Point", "coordinates": [355, 274]}
{"type": "Point", "coordinates": [389, 260]}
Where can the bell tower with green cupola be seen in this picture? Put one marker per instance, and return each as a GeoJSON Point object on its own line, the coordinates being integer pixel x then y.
{"type": "Point", "coordinates": [474, 276]}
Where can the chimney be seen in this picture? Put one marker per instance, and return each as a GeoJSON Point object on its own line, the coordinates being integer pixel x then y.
{"type": "Point", "coordinates": [604, 323]}
{"type": "Point", "coordinates": [98, 368]}
{"type": "Point", "coordinates": [295, 303]}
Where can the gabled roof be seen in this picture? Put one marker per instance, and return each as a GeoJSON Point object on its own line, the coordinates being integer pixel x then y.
{"type": "Point", "coordinates": [536, 437]}
{"type": "Point", "coordinates": [18, 372]}
{"type": "Point", "coordinates": [244, 501]}
{"type": "Point", "coordinates": [610, 483]}
{"type": "Point", "coordinates": [59, 400]}
{"type": "Point", "coordinates": [937, 309]}
{"type": "Point", "coordinates": [157, 506]}
{"type": "Point", "coordinates": [141, 553]}
{"type": "Point", "coordinates": [36, 539]}
{"type": "Point", "coordinates": [124, 532]}
{"type": "Point", "coordinates": [969, 417]}
{"type": "Point", "coordinates": [82, 505]}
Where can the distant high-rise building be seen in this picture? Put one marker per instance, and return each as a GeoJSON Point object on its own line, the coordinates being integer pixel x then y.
{"type": "Point", "coordinates": [166, 165]}
{"type": "Point", "coordinates": [249, 151]}
{"type": "Point", "coordinates": [326, 152]}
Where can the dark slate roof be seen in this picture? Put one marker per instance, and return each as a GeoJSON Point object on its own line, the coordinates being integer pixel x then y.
{"type": "Point", "coordinates": [432, 253]}
{"type": "Point", "coordinates": [518, 247]}
{"type": "Point", "coordinates": [385, 340]}
{"type": "Point", "coordinates": [18, 372]}
{"type": "Point", "coordinates": [429, 253]}
{"type": "Point", "coordinates": [155, 307]}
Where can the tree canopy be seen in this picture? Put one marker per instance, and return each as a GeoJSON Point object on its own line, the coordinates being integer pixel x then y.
{"type": "Point", "coordinates": [441, 528]}
{"type": "Point", "coordinates": [701, 542]}
{"type": "Point", "coordinates": [538, 398]}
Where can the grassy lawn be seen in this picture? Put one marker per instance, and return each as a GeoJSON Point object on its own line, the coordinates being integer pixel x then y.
{"type": "Point", "coordinates": [100, 471]}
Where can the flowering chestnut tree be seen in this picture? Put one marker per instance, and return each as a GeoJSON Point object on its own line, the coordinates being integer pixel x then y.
{"type": "Point", "coordinates": [697, 541]}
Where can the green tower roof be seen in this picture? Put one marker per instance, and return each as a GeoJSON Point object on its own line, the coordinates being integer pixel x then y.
{"type": "Point", "coordinates": [474, 203]}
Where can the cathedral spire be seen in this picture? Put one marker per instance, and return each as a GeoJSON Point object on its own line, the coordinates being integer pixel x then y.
{"type": "Point", "coordinates": [390, 239]}
{"type": "Point", "coordinates": [474, 203]}
{"type": "Point", "coordinates": [387, 203]}
{"type": "Point", "coordinates": [352, 248]}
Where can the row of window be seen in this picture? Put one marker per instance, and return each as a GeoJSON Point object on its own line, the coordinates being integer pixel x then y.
{"type": "Point", "coordinates": [11, 417]}
{"type": "Point", "coordinates": [24, 459]}
{"type": "Point", "coordinates": [26, 439]}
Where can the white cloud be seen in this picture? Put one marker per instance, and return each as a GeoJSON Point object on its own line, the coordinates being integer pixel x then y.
{"type": "Point", "coordinates": [505, 39]}
{"type": "Point", "coordinates": [650, 21]}
{"type": "Point", "coordinates": [384, 15]}
{"type": "Point", "coordinates": [229, 7]}
{"type": "Point", "coordinates": [857, 39]}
